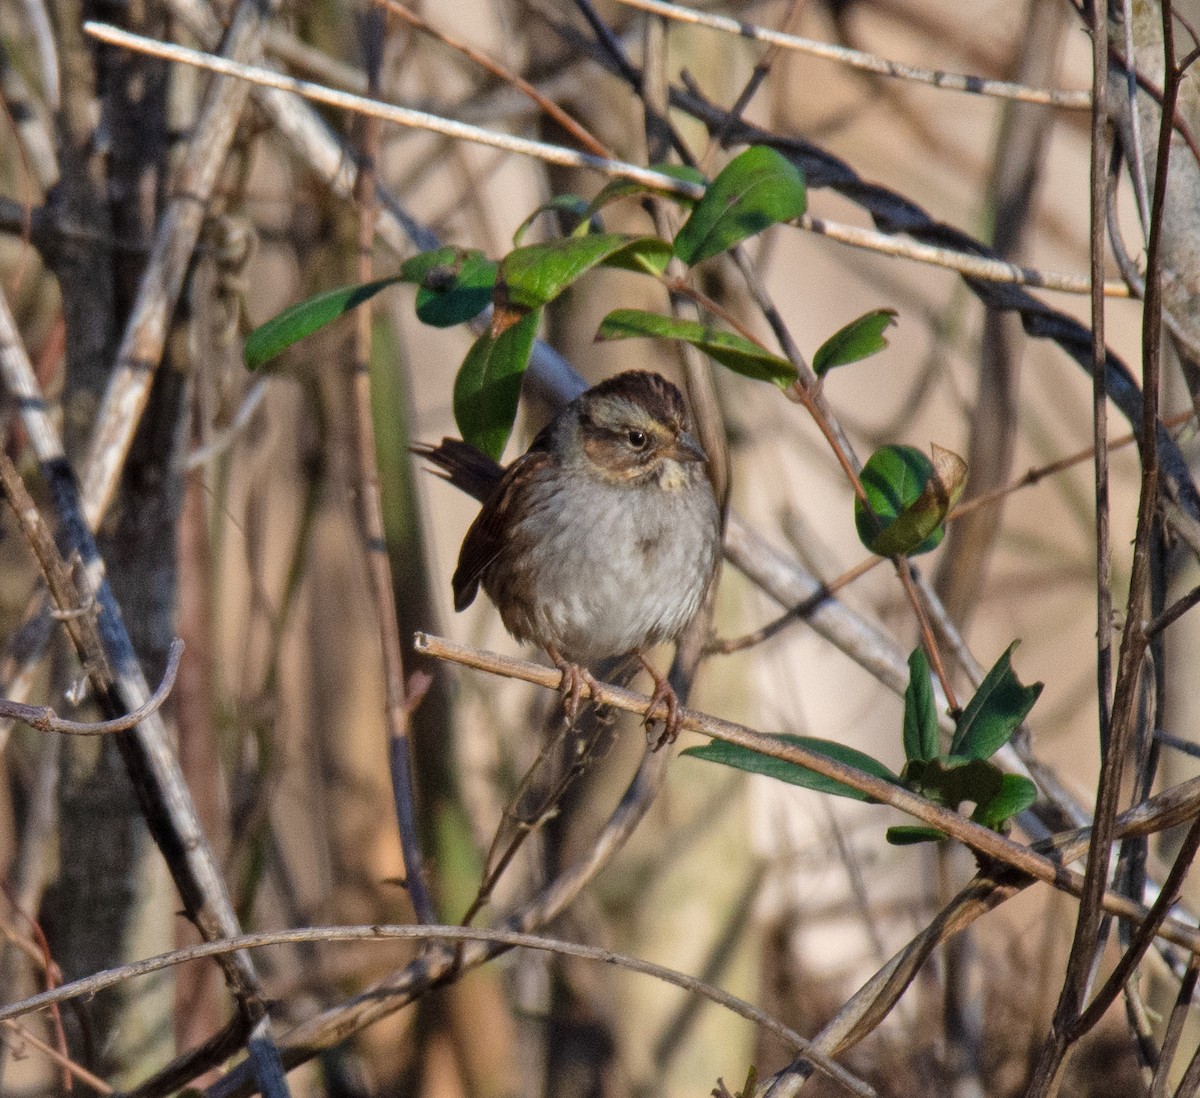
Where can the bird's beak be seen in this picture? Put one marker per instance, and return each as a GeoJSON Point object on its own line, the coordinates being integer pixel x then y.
{"type": "Point", "coordinates": [686, 448]}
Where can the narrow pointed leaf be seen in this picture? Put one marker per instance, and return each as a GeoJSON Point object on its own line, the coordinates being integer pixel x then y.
{"type": "Point", "coordinates": [454, 284]}
{"type": "Point", "coordinates": [727, 348]}
{"type": "Point", "coordinates": [488, 386]}
{"type": "Point", "coordinates": [909, 498]}
{"type": "Point", "coordinates": [995, 711]}
{"type": "Point", "coordinates": [755, 190]}
{"type": "Point", "coordinates": [535, 275]}
{"type": "Point", "coordinates": [742, 758]}
{"type": "Point", "coordinates": [920, 712]}
{"type": "Point", "coordinates": [306, 317]}
{"type": "Point", "coordinates": [859, 339]}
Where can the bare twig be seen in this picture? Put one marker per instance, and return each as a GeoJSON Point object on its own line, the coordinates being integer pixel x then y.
{"type": "Point", "coordinates": [178, 231]}
{"type": "Point", "coordinates": [1087, 929]}
{"type": "Point", "coordinates": [1168, 896]}
{"type": "Point", "coordinates": [1173, 613]}
{"type": "Point", "coordinates": [1071, 100]}
{"type": "Point", "coordinates": [506, 939]}
{"type": "Point", "coordinates": [524, 823]}
{"type": "Point", "coordinates": [44, 719]}
{"type": "Point", "coordinates": [402, 116]}
{"type": "Point", "coordinates": [1070, 1014]}
{"type": "Point", "coordinates": [974, 266]}
{"type": "Point", "coordinates": [718, 647]}
{"type": "Point", "coordinates": [1179, 1015]}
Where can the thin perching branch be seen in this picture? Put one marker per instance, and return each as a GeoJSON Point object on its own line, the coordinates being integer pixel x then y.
{"type": "Point", "coordinates": [979, 838]}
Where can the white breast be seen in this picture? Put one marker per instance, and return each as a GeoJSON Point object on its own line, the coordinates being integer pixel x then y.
{"type": "Point", "coordinates": [611, 569]}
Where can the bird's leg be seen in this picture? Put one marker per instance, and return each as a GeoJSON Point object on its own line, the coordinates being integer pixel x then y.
{"type": "Point", "coordinates": [574, 678]}
{"type": "Point", "coordinates": [663, 692]}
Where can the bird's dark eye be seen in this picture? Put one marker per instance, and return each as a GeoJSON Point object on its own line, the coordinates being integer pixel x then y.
{"type": "Point", "coordinates": [637, 439]}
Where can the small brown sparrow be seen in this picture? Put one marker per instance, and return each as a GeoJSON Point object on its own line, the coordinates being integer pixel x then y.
{"type": "Point", "coordinates": [602, 539]}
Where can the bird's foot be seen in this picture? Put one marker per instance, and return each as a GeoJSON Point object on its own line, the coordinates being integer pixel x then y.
{"type": "Point", "coordinates": [574, 679]}
{"type": "Point", "coordinates": [664, 692]}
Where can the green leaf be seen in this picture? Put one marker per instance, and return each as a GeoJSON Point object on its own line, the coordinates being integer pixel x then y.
{"type": "Point", "coordinates": [949, 781]}
{"type": "Point", "coordinates": [859, 339]}
{"type": "Point", "coordinates": [1016, 794]}
{"type": "Point", "coordinates": [488, 385]}
{"type": "Point", "coordinates": [995, 711]}
{"type": "Point", "coordinates": [920, 713]}
{"type": "Point", "coordinates": [742, 758]}
{"type": "Point", "coordinates": [911, 834]}
{"type": "Point", "coordinates": [535, 275]}
{"type": "Point", "coordinates": [306, 317]}
{"type": "Point", "coordinates": [909, 498]}
{"type": "Point", "coordinates": [643, 255]}
{"type": "Point", "coordinates": [755, 190]}
{"type": "Point", "coordinates": [628, 188]}
{"type": "Point", "coordinates": [571, 204]}
{"type": "Point", "coordinates": [454, 284]}
{"type": "Point", "coordinates": [732, 351]}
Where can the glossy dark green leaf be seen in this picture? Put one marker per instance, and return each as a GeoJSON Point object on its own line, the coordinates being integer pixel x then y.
{"type": "Point", "coordinates": [951, 780]}
{"type": "Point", "coordinates": [920, 712]}
{"type": "Point", "coordinates": [859, 339]}
{"type": "Point", "coordinates": [911, 834]}
{"type": "Point", "coordinates": [454, 285]}
{"type": "Point", "coordinates": [628, 188]}
{"type": "Point", "coordinates": [729, 349]}
{"type": "Point", "coordinates": [995, 711]}
{"type": "Point", "coordinates": [306, 317]}
{"type": "Point", "coordinates": [535, 275]}
{"type": "Point", "coordinates": [755, 190]}
{"type": "Point", "coordinates": [742, 758]}
{"type": "Point", "coordinates": [910, 496]}
{"type": "Point", "coordinates": [577, 210]}
{"type": "Point", "coordinates": [488, 386]}
{"type": "Point", "coordinates": [1016, 794]}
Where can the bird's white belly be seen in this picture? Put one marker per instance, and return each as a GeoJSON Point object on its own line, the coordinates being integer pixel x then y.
{"type": "Point", "coordinates": [601, 582]}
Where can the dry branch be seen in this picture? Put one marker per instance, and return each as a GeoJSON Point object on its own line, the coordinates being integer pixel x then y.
{"type": "Point", "coordinates": [500, 940]}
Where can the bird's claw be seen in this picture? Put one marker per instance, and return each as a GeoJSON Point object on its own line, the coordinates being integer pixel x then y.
{"type": "Point", "coordinates": [664, 693]}
{"type": "Point", "coordinates": [570, 689]}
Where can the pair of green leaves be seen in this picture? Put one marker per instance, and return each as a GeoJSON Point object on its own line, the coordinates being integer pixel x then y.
{"type": "Point", "coordinates": [756, 189]}
{"type": "Point", "coordinates": [963, 774]}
